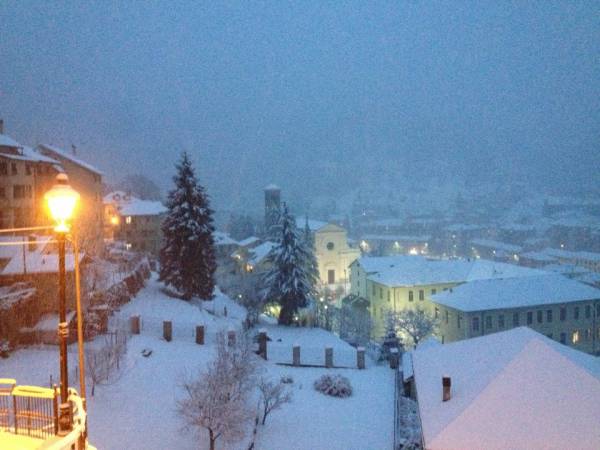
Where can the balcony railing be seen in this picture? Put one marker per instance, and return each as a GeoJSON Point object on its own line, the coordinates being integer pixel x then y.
{"type": "Point", "coordinates": [30, 413]}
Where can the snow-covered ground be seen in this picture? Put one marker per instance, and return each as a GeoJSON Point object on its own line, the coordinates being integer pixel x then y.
{"type": "Point", "coordinates": [137, 410]}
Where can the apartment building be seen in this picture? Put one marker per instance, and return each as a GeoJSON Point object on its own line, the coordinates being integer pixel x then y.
{"type": "Point", "coordinates": [395, 283]}
{"type": "Point", "coordinates": [563, 309]}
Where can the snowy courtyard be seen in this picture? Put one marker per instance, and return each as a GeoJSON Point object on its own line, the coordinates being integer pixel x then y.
{"type": "Point", "coordinates": [137, 409]}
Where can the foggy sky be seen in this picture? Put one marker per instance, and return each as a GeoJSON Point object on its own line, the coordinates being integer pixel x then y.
{"type": "Point", "coordinates": [316, 98]}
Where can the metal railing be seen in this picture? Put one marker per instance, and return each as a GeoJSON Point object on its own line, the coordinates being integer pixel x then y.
{"type": "Point", "coordinates": [33, 411]}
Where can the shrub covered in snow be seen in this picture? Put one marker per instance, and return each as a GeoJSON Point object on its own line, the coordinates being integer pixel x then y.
{"type": "Point", "coordinates": [334, 385]}
{"type": "Point", "coordinates": [287, 379]}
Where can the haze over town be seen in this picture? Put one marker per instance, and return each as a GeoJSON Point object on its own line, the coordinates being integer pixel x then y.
{"type": "Point", "coordinates": [299, 225]}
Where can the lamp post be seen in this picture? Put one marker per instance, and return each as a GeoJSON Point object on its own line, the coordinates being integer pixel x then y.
{"type": "Point", "coordinates": [61, 201]}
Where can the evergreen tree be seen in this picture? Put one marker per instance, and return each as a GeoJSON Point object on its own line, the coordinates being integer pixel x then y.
{"type": "Point", "coordinates": [287, 282]}
{"type": "Point", "coordinates": [312, 267]}
{"type": "Point", "coordinates": [187, 258]}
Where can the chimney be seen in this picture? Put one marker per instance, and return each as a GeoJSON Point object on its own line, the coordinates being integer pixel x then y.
{"type": "Point", "coordinates": [446, 383]}
{"type": "Point", "coordinates": [73, 149]}
{"type": "Point", "coordinates": [1, 126]}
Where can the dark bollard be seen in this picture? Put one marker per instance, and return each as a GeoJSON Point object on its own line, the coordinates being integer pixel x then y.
{"type": "Point", "coordinates": [262, 343]}
{"type": "Point", "coordinates": [168, 330]}
{"type": "Point", "coordinates": [200, 335]}
{"type": "Point", "coordinates": [329, 357]}
{"type": "Point", "coordinates": [134, 324]}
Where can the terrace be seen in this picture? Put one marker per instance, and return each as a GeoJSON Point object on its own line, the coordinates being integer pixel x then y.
{"type": "Point", "coordinates": [29, 418]}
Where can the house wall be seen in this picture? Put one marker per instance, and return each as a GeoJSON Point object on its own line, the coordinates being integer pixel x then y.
{"type": "Point", "coordinates": [17, 184]}
{"type": "Point", "coordinates": [580, 330]}
{"type": "Point", "coordinates": [142, 233]}
{"type": "Point", "coordinates": [333, 253]}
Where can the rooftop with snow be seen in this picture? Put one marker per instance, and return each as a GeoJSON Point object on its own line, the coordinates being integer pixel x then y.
{"type": "Point", "coordinates": [503, 293]}
{"type": "Point", "coordinates": [514, 389]}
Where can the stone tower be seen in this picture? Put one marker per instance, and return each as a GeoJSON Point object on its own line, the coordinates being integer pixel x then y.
{"type": "Point", "coordinates": [272, 208]}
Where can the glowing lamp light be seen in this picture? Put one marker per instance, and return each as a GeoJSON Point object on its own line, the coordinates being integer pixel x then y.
{"type": "Point", "coordinates": [114, 220]}
{"type": "Point", "coordinates": [61, 200]}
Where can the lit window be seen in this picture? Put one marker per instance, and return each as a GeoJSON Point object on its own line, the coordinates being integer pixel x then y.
{"type": "Point", "coordinates": [575, 337]}
{"type": "Point", "coordinates": [128, 246]}
{"type": "Point", "coordinates": [128, 220]}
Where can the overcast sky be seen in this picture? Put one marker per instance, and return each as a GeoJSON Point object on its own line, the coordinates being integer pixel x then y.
{"type": "Point", "coordinates": [316, 97]}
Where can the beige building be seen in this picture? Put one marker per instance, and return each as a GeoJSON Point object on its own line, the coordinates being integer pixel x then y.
{"type": "Point", "coordinates": [135, 222]}
{"type": "Point", "coordinates": [395, 283]}
{"type": "Point", "coordinates": [334, 256]}
{"type": "Point", "coordinates": [563, 309]}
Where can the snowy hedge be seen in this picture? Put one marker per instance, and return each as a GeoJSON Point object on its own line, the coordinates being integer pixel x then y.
{"type": "Point", "coordinates": [334, 385]}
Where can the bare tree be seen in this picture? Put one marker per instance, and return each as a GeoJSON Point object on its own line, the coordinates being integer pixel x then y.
{"type": "Point", "coordinates": [218, 399]}
{"type": "Point", "coordinates": [272, 396]}
{"type": "Point", "coordinates": [415, 323]}
{"type": "Point", "coordinates": [105, 360]}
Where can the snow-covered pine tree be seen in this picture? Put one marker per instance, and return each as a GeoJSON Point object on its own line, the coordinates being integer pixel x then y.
{"type": "Point", "coordinates": [312, 267]}
{"type": "Point", "coordinates": [287, 282]}
{"type": "Point", "coordinates": [187, 258]}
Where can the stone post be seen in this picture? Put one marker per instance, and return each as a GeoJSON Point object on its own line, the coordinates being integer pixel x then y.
{"type": "Point", "coordinates": [329, 357]}
{"type": "Point", "coordinates": [168, 330]}
{"type": "Point", "coordinates": [225, 311]}
{"type": "Point", "coordinates": [231, 338]}
{"type": "Point", "coordinates": [394, 358]}
{"type": "Point", "coordinates": [200, 335]}
{"type": "Point", "coordinates": [262, 343]}
{"type": "Point", "coordinates": [134, 324]}
{"type": "Point", "coordinates": [296, 355]}
{"type": "Point", "coordinates": [360, 357]}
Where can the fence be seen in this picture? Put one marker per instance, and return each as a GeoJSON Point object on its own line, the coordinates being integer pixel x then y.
{"type": "Point", "coordinates": [32, 411]}
{"type": "Point", "coordinates": [28, 410]}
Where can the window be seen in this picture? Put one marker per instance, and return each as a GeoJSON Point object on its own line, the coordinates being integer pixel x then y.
{"type": "Point", "coordinates": [529, 317]}
{"type": "Point", "coordinates": [447, 316]}
{"type": "Point", "coordinates": [27, 169]}
{"type": "Point", "coordinates": [381, 293]}
{"type": "Point", "coordinates": [563, 338]}
{"type": "Point", "coordinates": [2, 192]}
{"type": "Point", "coordinates": [575, 337]}
{"type": "Point", "coordinates": [475, 323]}
{"type": "Point", "coordinates": [19, 191]}
{"type": "Point", "coordinates": [576, 313]}
{"type": "Point", "coordinates": [3, 168]}
{"type": "Point", "coordinates": [515, 319]}
{"type": "Point", "coordinates": [13, 168]}
{"type": "Point", "coordinates": [563, 314]}
{"type": "Point", "coordinates": [540, 316]}
{"type": "Point", "coordinates": [549, 315]}
{"type": "Point", "coordinates": [389, 295]}
{"type": "Point", "coordinates": [330, 246]}
{"type": "Point", "coordinates": [458, 321]}
{"type": "Point", "coordinates": [488, 322]}
{"type": "Point", "coordinates": [421, 294]}
{"type": "Point", "coordinates": [588, 311]}
{"type": "Point", "coordinates": [373, 289]}
{"type": "Point", "coordinates": [549, 335]}
{"type": "Point", "coordinates": [501, 321]}
{"type": "Point", "coordinates": [433, 291]}
{"type": "Point", "coordinates": [331, 276]}
{"type": "Point", "coordinates": [436, 313]}
{"type": "Point", "coordinates": [410, 296]}
{"type": "Point", "coordinates": [128, 220]}
{"type": "Point", "coordinates": [588, 334]}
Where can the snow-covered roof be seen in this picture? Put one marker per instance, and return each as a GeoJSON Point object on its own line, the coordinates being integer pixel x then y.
{"type": "Point", "coordinates": [55, 151]}
{"type": "Point", "coordinates": [393, 238]}
{"type": "Point", "coordinates": [313, 225]}
{"type": "Point", "coordinates": [7, 141]}
{"type": "Point", "coordinates": [538, 256]}
{"type": "Point", "coordinates": [34, 155]}
{"type": "Point", "coordinates": [38, 260]}
{"type": "Point", "coordinates": [588, 256]}
{"type": "Point", "coordinates": [514, 389]}
{"type": "Point", "coordinates": [272, 187]}
{"type": "Point", "coordinates": [409, 270]}
{"type": "Point", "coordinates": [260, 252]}
{"type": "Point", "coordinates": [248, 241]}
{"type": "Point", "coordinates": [137, 207]}
{"type": "Point", "coordinates": [117, 197]}
{"type": "Point", "coordinates": [222, 238]}
{"type": "Point", "coordinates": [488, 243]}
{"type": "Point", "coordinates": [503, 293]}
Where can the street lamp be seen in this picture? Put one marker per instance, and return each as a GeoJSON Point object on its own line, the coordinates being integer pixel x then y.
{"type": "Point", "coordinates": [62, 200]}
